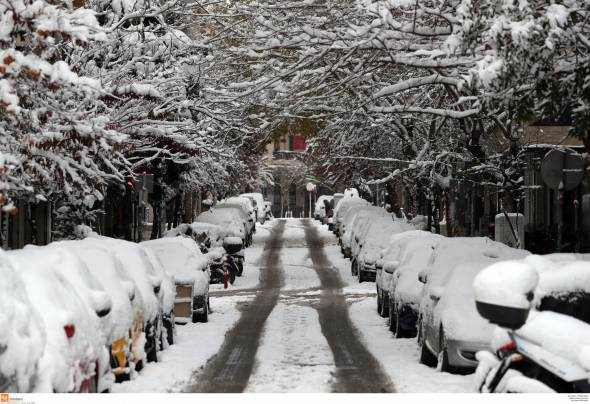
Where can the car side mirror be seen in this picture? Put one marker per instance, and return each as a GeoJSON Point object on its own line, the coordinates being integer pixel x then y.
{"type": "Point", "coordinates": [423, 277]}
{"type": "Point", "coordinates": [435, 293]}
{"type": "Point", "coordinates": [390, 266]}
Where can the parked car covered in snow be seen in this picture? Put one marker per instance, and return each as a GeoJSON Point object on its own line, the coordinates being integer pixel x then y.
{"type": "Point", "coordinates": [450, 331]}
{"type": "Point", "coordinates": [342, 208]}
{"type": "Point", "coordinates": [258, 203]}
{"type": "Point", "coordinates": [245, 206]}
{"type": "Point", "coordinates": [335, 200]}
{"type": "Point", "coordinates": [137, 263]}
{"type": "Point", "coordinates": [182, 258]}
{"type": "Point", "coordinates": [398, 288]}
{"type": "Point", "coordinates": [75, 358]}
{"type": "Point", "coordinates": [354, 223]}
{"type": "Point", "coordinates": [371, 243]}
{"type": "Point", "coordinates": [230, 220]}
{"type": "Point", "coordinates": [323, 206]}
{"type": "Point", "coordinates": [125, 337]}
{"type": "Point", "coordinates": [22, 340]}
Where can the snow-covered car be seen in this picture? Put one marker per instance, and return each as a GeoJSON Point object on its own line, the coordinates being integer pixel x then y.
{"type": "Point", "coordinates": [340, 211]}
{"type": "Point", "coordinates": [229, 220]}
{"type": "Point", "coordinates": [398, 287]}
{"type": "Point", "coordinates": [548, 348]}
{"type": "Point", "coordinates": [371, 244]}
{"type": "Point", "coordinates": [22, 340]}
{"type": "Point", "coordinates": [75, 358]}
{"type": "Point", "coordinates": [354, 222]}
{"type": "Point", "coordinates": [166, 296]}
{"type": "Point", "coordinates": [258, 199]}
{"type": "Point", "coordinates": [335, 200]}
{"type": "Point", "coordinates": [126, 312]}
{"type": "Point", "coordinates": [450, 330]}
{"type": "Point", "coordinates": [268, 210]}
{"type": "Point", "coordinates": [245, 205]}
{"type": "Point", "coordinates": [137, 263]}
{"type": "Point", "coordinates": [184, 260]}
{"type": "Point", "coordinates": [322, 207]}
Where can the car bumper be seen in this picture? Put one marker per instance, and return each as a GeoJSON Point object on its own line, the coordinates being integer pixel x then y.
{"type": "Point", "coordinates": [461, 354]}
{"type": "Point", "coordinates": [199, 304]}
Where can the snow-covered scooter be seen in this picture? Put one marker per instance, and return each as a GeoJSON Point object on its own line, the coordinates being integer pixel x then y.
{"type": "Point", "coordinates": [536, 351]}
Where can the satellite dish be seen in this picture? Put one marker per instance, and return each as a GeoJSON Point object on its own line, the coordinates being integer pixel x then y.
{"type": "Point", "coordinates": [562, 168]}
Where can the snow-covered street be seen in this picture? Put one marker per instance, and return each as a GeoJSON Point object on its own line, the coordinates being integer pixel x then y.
{"type": "Point", "coordinates": [297, 321]}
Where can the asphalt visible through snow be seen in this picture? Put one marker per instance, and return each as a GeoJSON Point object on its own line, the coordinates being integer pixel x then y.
{"type": "Point", "coordinates": [235, 365]}
{"type": "Point", "coordinates": [230, 370]}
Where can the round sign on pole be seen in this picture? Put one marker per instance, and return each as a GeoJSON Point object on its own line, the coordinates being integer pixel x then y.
{"type": "Point", "coordinates": [562, 168]}
{"type": "Point", "coordinates": [310, 187]}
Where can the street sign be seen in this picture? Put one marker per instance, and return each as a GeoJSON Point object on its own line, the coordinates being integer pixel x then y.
{"type": "Point", "coordinates": [562, 168]}
{"type": "Point", "coordinates": [310, 187]}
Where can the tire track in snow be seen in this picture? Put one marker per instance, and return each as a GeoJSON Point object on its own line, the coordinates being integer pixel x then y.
{"type": "Point", "coordinates": [230, 370]}
{"type": "Point", "coordinates": [357, 371]}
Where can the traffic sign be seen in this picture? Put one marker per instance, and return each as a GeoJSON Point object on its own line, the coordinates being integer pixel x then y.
{"type": "Point", "coordinates": [562, 169]}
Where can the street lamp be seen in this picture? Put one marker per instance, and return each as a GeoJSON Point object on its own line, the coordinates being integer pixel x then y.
{"type": "Point", "coordinates": [310, 188]}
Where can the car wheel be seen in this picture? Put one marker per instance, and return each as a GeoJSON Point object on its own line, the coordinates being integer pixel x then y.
{"type": "Point", "coordinates": [392, 320]}
{"type": "Point", "coordinates": [384, 312]}
{"type": "Point", "coordinates": [201, 317]}
{"type": "Point", "coordinates": [169, 325]}
{"type": "Point", "coordinates": [443, 355]}
{"type": "Point", "coordinates": [139, 366]}
{"type": "Point", "coordinates": [232, 277]}
{"type": "Point", "coordinates": [152, 354]}
{"type": "Point", "coordinates": [426, 357]}
{"type": "Point", "coordinates": [240, 268]}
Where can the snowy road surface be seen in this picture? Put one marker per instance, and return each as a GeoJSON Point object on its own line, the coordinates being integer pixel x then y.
{"type": "Point", "coordinates": [297, 321]}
